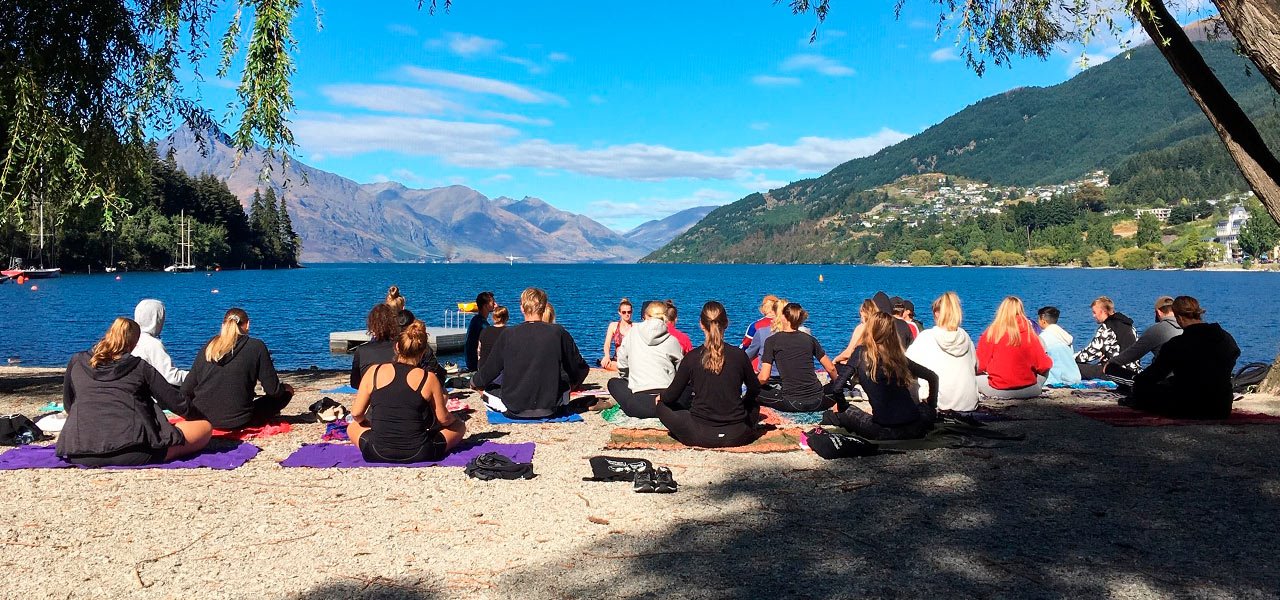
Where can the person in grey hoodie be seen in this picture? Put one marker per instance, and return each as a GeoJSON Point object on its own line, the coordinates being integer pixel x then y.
{"type": "Point", "coordinates": [1165, 328]}
{"type": "Point", "coordinates": [648, 355]}
{"type": "Point", "coordinates": [150, 317]}
{"type": "Point", "coordinates": [1114, 335]}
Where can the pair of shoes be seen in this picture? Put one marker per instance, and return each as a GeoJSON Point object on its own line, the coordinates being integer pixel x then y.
{"type": "Point", "coordinates": [655, 482]}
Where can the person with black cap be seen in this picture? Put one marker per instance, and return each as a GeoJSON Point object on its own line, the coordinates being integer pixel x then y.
{"type": "Point", "coordinates": [888, 306]}
{"type": "Point", "coordinates": [1191, 377]}
{"type": "Point", "coordinates": [900, 313]}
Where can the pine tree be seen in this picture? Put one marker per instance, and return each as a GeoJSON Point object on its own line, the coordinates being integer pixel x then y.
{"type": "Point", "coordinates": [258, 225]}
{"type": "Point", "coordinates": [289, 241]}
{"type": "Point", "coordinates": [273, 250]}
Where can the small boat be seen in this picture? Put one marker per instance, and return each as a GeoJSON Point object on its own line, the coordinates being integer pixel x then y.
{"type": "Point", "coordinates": [184, 247]}
{"type": "Point", "coordinates": [41, 273]}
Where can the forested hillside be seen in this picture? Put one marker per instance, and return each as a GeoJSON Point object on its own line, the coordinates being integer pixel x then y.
{"type": "Point", "coordinates": [1130, 115]}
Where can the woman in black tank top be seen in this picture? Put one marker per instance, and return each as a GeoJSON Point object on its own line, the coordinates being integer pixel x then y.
{"type": "Point", "coordinates": [399, 415]}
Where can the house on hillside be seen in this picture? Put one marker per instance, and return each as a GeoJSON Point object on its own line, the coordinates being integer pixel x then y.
{"type": "Point", "coordinates": [1227, 231]}
{"type": "Point", "coordinates": [1160, 213]}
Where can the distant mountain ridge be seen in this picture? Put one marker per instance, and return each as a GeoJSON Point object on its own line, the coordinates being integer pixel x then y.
{"type": "Point", "coordinates": [1027, 136]}
{"type": "Point", "coordinates": [656, 233]}
{"type": "Point", "coordinates": [340, 220]}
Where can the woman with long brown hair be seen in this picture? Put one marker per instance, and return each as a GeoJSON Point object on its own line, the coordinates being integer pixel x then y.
{"type": "Point", "coordinates": [1012, 362]}
{"type": "Point", "coordinates": [886, 376]}
{"type": "Point", "coordinates": [720, 415]}
{"type": "Point", "coordinates": [383, 324]}
{"type": "Point", "coordinates": [399, 415]}
{"type": "Point", "coordinates": [111, 417]}
{"type": "Point", "coordinates": [226, 371]}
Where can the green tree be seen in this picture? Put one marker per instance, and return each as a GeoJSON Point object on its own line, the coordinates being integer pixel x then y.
{"type": "Point", "coordinates": [289, 242]}
{"type": "Point", "coordinates": [1259, 234]}
{"type": "Point", "coordinates": [1148, 230]}
{"type": "Point", "coordinates": [1044, 256]}
{"type": "Point", "coordinates": [1005, 259]}
{"type": "Point", "coordinates": [884, 257]}
{"type": "Point", "coordinates": [980, 257]}
{"type": "Point", "coordinates": [951, 257]}
{"type": "Point", "coordinates": [1133, 258]}
{"type": "Point", "coordinates": [1099, 258]}
{"type": "Point", "coordinates": [921, 257]}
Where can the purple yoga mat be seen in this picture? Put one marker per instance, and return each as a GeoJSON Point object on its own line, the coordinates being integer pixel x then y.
{"type": "Point", "coordinates": [222, 458]}
{"type": "Point", "coordinates": [347, 456]}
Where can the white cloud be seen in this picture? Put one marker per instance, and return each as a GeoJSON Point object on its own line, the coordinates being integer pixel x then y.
{"type": "Point", "coordinates": [758, 182]}
{"type": "Point", "coordinates": [816, 63]}
{"type": "Point", "coordinates": [493, 146]}
{"type": "Point", "coordinates": [406, 176]}
{"type": "Point", "coordinates": [469, 46]}
{"type": "Point", "coordinates": [946, 54]}
{"type": "Point", "coordinates": [558, 57]}
{"type": "Point", "coordinates": [499, 178]}
{"type": "Point", "coordinates": [513, 118]}
{"type": "Point", "coordinates": [529, 64]}
{"type": "Point", "coordinates": [774, 81]}
{"type": "Point", "coordinates": [479, 85]}
{"type": "Point", "coordinates": [388, 98]}
{"type": "Point", "coordinates": [402, 29]}
{"type": "Point", "coordinates": [1087, 60]}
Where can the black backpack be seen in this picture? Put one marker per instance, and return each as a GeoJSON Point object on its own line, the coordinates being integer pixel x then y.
{"type": "Point", "coordinates": [16, 430]}
{"type": "Point", "coordinates": [491, 465]}
{"type": "Point", "coordinates": [1246, 380]}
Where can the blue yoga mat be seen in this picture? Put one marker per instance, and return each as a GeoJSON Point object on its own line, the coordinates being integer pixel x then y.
{"type": "Point", "coordinates": [497, 418]}
{"type": "Point", "coordinates": [342, 389]}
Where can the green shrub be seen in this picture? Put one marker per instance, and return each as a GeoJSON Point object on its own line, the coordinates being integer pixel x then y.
{"type": "Point", "coordinates": [920, 258]}
{"type": "Point", "coordinates": [1099, 258]}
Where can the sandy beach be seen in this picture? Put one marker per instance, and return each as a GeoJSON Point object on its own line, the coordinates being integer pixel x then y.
{"type": "Point", "coordinates": [1080, 509]}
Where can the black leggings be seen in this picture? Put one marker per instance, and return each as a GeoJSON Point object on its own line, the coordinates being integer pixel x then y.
{"type": "Point", "coordinates": [860, 422]}
{"type": "Point", "coordinates": [689, 431]}
{"type": "Point", "coordinates": [133, 456]}
{"type": "Point", "coordinates": [640, 405]}
{"type": "Point", "coordinates": [772, 397]}
{"type": "Point", "coordinates": [434, 448]}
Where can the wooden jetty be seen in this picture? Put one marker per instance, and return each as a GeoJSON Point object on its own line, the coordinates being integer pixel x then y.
{"type": "Point", "coordinates": [443, 340]}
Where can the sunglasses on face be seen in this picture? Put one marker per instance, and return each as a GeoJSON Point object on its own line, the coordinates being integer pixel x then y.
{"type": "Point", "coordinates": [624, 312]}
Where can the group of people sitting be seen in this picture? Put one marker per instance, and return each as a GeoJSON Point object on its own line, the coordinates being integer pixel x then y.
{"type": "Point", "coordinates": [115, 394]}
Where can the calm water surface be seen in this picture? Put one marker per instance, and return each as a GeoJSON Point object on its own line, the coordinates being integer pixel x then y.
{"type": "Point", "coordinates": [294, 311]}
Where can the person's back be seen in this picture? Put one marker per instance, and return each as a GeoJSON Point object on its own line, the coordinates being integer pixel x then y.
{"type": "Point", "coordinates": [649, 353]}
{"type": "Point", "coordinates": [530, 357]}
{"type": "Point", "coordinates": [1057, 344]}
{"type": "Point", "coordinates": [221, 383]}
{"type": "Point", "coordinates": [398, 417]}
{"type": "Point", "coordinates": [1198, 366]}
{"type": "Point", "coordinates": [949, 354]}
{"type": "Point", "coordinates": [477, 325]}
{"type": "Point", "coordinates": [792, 353]}
{"type": "Point", "coordinates": [150, 316]}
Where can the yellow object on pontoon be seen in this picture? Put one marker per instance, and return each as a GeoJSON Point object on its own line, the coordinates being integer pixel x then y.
{"type": "Point", "coordinates": [468, 307]}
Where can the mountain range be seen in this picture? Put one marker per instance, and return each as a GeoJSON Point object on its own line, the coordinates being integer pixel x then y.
{"type": "Point", "coordinates": [340, 220]}
{"type": "Point", "coordinates": [1132, 106]}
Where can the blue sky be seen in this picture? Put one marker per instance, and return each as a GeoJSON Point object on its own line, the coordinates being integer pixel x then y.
{"type": "Point", "coordinates": [624, 111]}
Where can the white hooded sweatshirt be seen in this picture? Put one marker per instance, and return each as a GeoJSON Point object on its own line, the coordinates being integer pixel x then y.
{"type": "Point", "coordinates": [949, 354]}
{"type": "Point", "coordinates": [650, 355]}
{"type": "Point", "coordinates": [150, 317]}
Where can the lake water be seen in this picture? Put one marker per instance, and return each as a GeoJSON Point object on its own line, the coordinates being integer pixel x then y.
{"type": "Point", "coordinates": [294, 311]}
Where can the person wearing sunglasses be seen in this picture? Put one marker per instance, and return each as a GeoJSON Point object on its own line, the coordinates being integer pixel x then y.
{"type": "Point", "coordinates": [613, 337]}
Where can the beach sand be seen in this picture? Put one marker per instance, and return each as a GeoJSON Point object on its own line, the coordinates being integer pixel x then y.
{"type": "Point", "coordinates": [1080, 509]}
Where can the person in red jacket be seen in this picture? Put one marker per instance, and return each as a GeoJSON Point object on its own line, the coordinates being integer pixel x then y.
{"type": "Point", "coordinates": [1012, 362]}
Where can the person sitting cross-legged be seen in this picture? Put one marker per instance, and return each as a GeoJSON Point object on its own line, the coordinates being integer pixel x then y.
{"type": "Point", "coordinates": [649, 355]}
{"type": "Point", "coordinates": [400, 415]}
{"type": "Point", "coordinates": [539, 363]}
{"type": "Point", "coordinates": [1191, 377]}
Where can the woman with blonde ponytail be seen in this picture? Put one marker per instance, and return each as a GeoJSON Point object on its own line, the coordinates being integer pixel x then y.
{"type": "Point", "coordinates": [793, 351]}
{"type": "Point", "coordinates": [222, 380]}
{"type": "Point", "coordinates": [399, 415]}
{"type": "Point", "coordinates": [111, 418]}
{"type": "Point", "coordinates": [719, 415]}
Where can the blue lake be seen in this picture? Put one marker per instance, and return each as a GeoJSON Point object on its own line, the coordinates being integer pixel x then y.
{"type": "Point", "coordinates": [294, 311]}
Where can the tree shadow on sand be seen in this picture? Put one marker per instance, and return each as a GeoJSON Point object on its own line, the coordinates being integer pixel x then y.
{"type": "Point", "coordinates": [1079, 510]}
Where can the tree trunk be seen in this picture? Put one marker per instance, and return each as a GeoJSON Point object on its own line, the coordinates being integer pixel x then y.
{"type": "Point", "coordinates": [1256, 161]}
{"type": "Point", "coordinates": [1256, 26]}
{"type": "Point", "coordinates": [1271, 385]}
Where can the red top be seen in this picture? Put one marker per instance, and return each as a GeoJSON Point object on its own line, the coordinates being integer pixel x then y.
{"type": "Point", "coordinates": [685, 343]}
{"type": "Point", "coordinates": [753, 329]}
{"type": "Point", "coordinates": [1010, 367]}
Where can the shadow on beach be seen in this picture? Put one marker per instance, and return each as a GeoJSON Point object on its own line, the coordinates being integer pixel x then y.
{"type": "Point", "coordinates": [1187, 516]}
